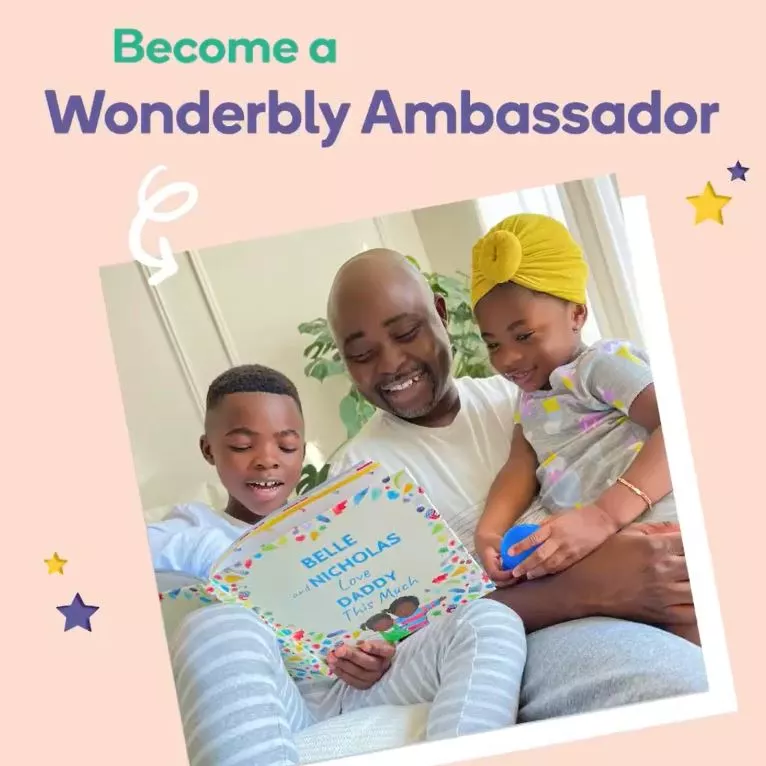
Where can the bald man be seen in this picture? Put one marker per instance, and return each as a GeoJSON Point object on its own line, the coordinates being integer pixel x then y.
{"type": "Point", "coordinates": [454, 436]}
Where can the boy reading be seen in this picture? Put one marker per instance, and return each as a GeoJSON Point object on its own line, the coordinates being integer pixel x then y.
{"type": "Point", "coordinates": [237, 701]}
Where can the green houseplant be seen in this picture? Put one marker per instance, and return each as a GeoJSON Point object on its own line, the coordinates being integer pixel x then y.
{"type": "Point", "coordinates": [324, 361]}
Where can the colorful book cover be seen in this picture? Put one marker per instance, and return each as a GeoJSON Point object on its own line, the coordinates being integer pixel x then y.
{"type": "Point", "coordinates": [364, 555]}
{"type": "Point", "coordinates": [181, 594]}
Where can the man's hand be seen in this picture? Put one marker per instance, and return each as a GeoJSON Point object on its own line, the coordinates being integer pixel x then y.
{"type": "Point", "coordinates": [638, 574]}
{"type": "Point", "coordinates": [564, 539]}
{"type": "Point", "coordinates": [641, 575]}
{"type": "Point", "coordinates": [362, 665]}
{"type": "Point", "coordinates": [488, 550]}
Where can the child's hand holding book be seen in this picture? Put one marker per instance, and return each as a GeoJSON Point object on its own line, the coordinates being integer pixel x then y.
{"type": "Point", "coordinates": [363, 665]}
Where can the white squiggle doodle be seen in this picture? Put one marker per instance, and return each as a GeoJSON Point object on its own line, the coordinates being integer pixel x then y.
{"type": "Point", "coordinates": [165, 265]}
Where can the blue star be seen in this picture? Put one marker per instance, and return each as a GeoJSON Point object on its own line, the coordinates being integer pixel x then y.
{"type": "Point", "coordinates": [738, 172]}
{"type": "Point", "coordinates": [77, 614]}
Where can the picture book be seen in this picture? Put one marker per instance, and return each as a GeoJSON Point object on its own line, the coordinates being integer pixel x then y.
{"type": "Point", "coordinates": [180, 594]}
{"type": "Point", "coordinates": [364, 555]}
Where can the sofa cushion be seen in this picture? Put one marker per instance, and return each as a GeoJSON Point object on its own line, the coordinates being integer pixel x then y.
{"type": "Point", "coordinates": [363, 731]}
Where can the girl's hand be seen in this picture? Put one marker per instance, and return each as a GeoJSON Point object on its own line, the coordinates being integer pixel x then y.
{"type": "Point", "coordinates": [363, 665]}
{"type": "Point", "coordinates": [564, 539]}
{"type": "Point", "coordinates": [488, 551]}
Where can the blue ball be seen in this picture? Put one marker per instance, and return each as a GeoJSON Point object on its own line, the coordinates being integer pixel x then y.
{"type": "Point", "coordinates": [513, 536]}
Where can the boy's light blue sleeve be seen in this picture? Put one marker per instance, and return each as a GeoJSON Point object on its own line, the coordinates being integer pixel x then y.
{"type": "Point", "coordinates": [177, 545]}
{"type": "Point", "coordinates": [614, 373]}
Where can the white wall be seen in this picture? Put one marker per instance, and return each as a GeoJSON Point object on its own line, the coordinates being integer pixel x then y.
{"type": "Point", "coordinates": [448, 233]}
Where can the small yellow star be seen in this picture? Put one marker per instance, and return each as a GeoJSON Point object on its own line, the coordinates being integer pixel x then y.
{"type": "Point", "coordinates": [708, 205]}
{"type": "Point", "coordinates": [55, 564]}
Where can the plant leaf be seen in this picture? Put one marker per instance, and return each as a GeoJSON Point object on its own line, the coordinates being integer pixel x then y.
{"type": "Point", "coordinates": [314, 349]}
{"type": "Point", "coordinates": [314, 327]}
{"type": "Point", "coordinates": [414, 262]}
{"type": "Point", "coordinates": [355, 411]}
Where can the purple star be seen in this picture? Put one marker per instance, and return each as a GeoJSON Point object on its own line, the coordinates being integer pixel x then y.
{"type": "Point", "coordinates": [738, 172]}
{"type": "Point", "coordinates": [77, 614]}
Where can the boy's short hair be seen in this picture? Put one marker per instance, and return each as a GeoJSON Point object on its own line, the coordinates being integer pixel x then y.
{"type": "Point", "coordinates": [251, 379]}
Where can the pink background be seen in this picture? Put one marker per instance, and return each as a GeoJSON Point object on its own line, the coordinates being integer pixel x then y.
{"type": "Point", "coordinates": [68, 476]}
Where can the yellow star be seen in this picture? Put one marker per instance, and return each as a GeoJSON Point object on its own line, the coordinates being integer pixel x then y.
{"type": "Point", "coordinates": [708, 205]}
{"type": "Point", "coordinates": [55, 564]}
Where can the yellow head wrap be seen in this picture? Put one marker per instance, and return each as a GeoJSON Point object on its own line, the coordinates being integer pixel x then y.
{"type": "Point", "coordinates": [534, 251]}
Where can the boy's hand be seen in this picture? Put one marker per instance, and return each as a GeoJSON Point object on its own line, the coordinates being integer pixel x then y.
{"type": "Point", "coordinates": [488, 551]}
{"type": "Point", "coordinates": [362, 665]}
{"type": "Point", "coordinates": [564, 539]}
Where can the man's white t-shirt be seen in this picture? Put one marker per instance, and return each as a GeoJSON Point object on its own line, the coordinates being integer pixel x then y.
{"type": "Point", "coordinates": [456, 464]}
{"type": "Point", "coordinates": [191, 538]}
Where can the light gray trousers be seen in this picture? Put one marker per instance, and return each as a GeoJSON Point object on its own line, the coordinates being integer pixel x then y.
{"type": "Point", "coordinates": [240, 706]}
